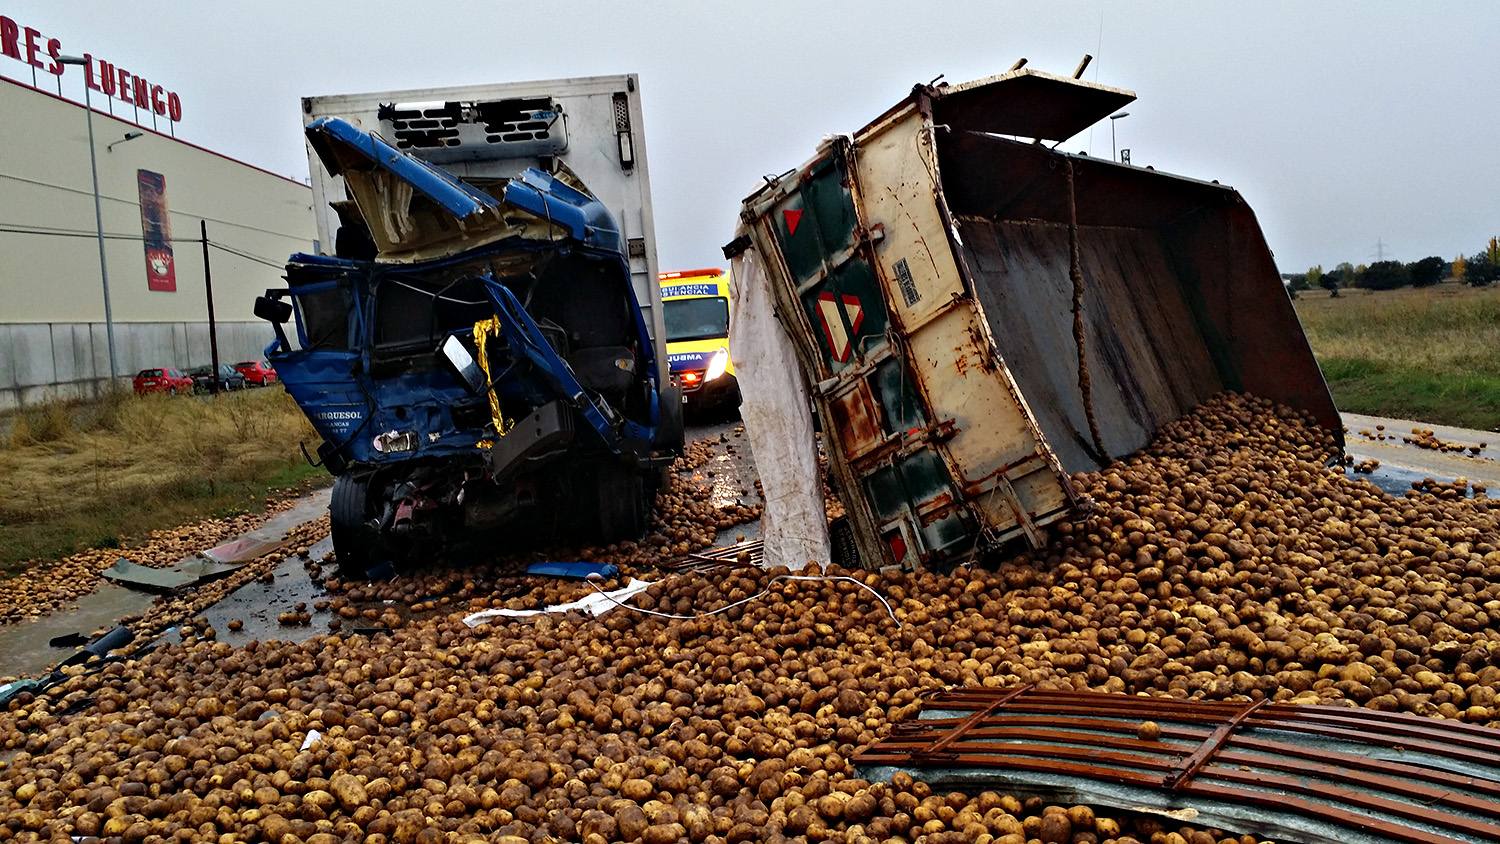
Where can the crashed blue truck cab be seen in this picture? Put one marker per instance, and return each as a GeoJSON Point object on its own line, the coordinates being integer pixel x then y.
{"type": "Point", "coordinates": [475, 360]}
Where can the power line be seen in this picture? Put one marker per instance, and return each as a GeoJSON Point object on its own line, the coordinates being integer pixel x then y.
{"type": "Point", "coordinates": [249, 256]}
{"type": "Point", "coordinates": [123, 201]}
{"type": "Point", "coordinates": [50, 231]}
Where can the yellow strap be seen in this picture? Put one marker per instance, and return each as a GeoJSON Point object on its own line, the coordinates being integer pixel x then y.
{"type": "Point", "coordinates": [483, 330]}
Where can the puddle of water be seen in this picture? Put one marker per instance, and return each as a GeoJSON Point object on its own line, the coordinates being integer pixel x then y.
{"type": "Point", "coordinates": [1397, 480]}
{"type": "Point", "coordinates": [728, 479]}
{"type": "Point", "coordinates": [258, 604]}
{"type": "Point", "coordinates": [23, 646]}
{"type": "Point", "coordinates": [271, 535]}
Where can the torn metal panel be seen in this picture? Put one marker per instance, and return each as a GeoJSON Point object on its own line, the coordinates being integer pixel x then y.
{"type": "Point", "coordinates": [1331, 775]}
{"type": "Point", "coordinates": [189, 572]}
{"type": "Point", "coordinates": [415, 210]}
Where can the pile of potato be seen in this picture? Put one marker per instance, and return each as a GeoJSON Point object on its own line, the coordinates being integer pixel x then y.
{"type": "Point", "coordinates": [1227, 561]}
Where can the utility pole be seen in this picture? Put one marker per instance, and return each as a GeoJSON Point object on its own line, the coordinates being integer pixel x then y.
{"type": "Point", "coordinates": [109, 317]}
{"type": "Point", "coordinates": [208, 286]}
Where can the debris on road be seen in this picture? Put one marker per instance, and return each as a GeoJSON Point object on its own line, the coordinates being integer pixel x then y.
{"type": "Point", "coordinates": [86, 658]}
{"type": "Point", "coordinates": [186, 574]}
{"type": "Point", "coordinates": [169, 610]}
{"type": "Point", "coordinates": [313, 737]}
{"type": "Point", "coordinates": [595, 604]}
{"type": "Point", "coordinates": [68, 640]}
{"type": "Point", "coordinates": [1295, 773]}
{"type": "Point", "coordinates": [573, 570]}
{"type": "Point", "coordinates": [47, 585]}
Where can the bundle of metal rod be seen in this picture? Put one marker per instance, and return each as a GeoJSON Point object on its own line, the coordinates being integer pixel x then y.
{"type": "Point", "coordinates": [1300, 773]}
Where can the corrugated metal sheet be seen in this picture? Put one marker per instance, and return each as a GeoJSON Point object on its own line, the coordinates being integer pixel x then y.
{"type": "Point", "coordinates": [1331, 775]}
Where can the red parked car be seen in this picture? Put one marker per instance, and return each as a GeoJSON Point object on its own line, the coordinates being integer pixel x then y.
{"type": "Point", "coordinates": [257, 373]}
{"type": "Point", "coordinates": [165, 380]}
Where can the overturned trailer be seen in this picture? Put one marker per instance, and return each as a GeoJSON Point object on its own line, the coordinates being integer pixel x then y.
{"type": "Point", "coordinates": [979, 315]}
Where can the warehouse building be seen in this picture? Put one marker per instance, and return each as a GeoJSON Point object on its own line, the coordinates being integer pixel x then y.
{"type": "Point", "coordinates": [157, 194]}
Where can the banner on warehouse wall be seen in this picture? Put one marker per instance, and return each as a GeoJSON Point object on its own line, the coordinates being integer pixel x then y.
{"type": "Point", "coordinates": [156, 232]}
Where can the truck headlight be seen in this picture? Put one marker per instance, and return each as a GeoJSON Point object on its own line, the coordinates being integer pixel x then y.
{"type": "Point", "coordinates": [392, 442]}
{"type": "Point", "coordinates": [716, 365]}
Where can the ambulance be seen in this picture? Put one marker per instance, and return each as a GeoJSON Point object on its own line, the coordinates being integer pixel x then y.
{"type": "Point", "coordinates": [695, 309]}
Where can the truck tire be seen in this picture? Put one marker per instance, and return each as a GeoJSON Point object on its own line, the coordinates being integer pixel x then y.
{"type": "Point", "coordinates": [353, 543]}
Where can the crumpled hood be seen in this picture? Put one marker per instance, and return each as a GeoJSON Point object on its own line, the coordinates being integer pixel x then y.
{"type": "Point", "coordinates": [416, 211]}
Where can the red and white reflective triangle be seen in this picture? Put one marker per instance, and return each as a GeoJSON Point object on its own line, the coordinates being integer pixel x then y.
{"type": "Point", "coordinates": [840, 344]}
{"type": "Point", "coordinates": [792, 217]}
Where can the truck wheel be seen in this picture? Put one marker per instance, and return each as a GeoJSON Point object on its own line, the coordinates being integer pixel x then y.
{"type": "Point", "coordinates": [353, 543]}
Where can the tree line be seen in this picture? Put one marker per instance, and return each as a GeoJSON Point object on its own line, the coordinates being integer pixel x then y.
{"type": "Point", "coordinates": [1479, 269]}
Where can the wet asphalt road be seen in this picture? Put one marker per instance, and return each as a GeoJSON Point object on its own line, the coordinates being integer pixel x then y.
{"type": "Point", "coordinates": [24, 648]}
{"type": "Point", "coordinates": [1401, 463]}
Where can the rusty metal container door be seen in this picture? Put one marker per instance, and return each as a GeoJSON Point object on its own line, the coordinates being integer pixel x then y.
{"type": "Point", "coordinates": [927, 436]}
{"type": "Point", "coordinates": [930, 269]}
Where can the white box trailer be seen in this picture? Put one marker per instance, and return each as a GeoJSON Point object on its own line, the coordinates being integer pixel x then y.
{"type": "Point", "coordinates": [591, 125]}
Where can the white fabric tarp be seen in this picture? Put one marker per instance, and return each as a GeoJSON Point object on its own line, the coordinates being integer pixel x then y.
{"type": "Point", "coordinates": [778, 420]}
{"type": "Point", "coordinates": [595, 603]}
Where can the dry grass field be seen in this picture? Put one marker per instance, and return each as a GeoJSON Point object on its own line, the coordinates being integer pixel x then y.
{"type": "Point", "coordinates": [98, 473]}
{"type": "Point", "coordinates": [1431, 354]}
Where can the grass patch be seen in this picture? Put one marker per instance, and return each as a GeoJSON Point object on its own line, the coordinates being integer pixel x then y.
{"type": "Point", "coordinates": [99, 473]}
{"type": "Point", "coordinates": [1431, 354]}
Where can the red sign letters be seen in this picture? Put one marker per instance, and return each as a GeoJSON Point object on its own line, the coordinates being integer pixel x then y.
{"type": "Point", "coordinates": [28, 45]}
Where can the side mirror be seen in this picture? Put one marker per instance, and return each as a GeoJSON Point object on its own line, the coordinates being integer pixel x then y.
{"type": "Point", "coordinates": [273, 310]}
{"type": "Point", "coordinates": [278, 313]}
{"type": "Point", "coordinates": [461, 363]}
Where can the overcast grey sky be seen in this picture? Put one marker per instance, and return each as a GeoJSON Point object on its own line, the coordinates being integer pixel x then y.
{"type": "Point", "coordinates": [1341, 122]}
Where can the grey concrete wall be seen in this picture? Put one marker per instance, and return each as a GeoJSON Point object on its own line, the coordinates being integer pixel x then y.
{"type": "Point", "coordinates": [41, 361]}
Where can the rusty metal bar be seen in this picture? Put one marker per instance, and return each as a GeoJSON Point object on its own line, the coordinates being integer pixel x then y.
{"type": "Point", "coordinates": [1190, 766]}
{"type": "Point", "coordinates": [718, 559]}
{"type": "Point", "coordinates": [1391, 729]}
{"type": "Point", "coordinates": [1048, 729]}
{"type": "Point", "coordinates": [938, 747]}
{"type": "Point", "coordinates": [1369, 737]}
